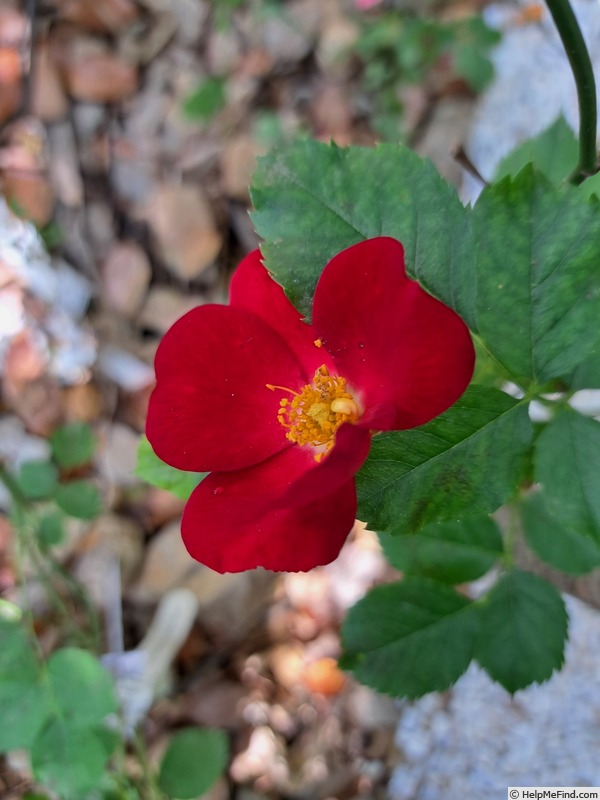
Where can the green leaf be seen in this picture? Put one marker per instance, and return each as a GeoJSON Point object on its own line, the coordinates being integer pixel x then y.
{"type": "Point", "coordinates": [195, 759]}
{"type": "Point", "coordinates": [587, 374]}
{"type": "Point", "coordinates": [523, 630]}
{"type": "Point", "coordinates": [18, 662]}
{"type": "Point", "coordinates": [206, 100]}
{"type": "Point", "coordinates": [410, 638]}
{"type": "Point", "coordinates": [451, 552]}
{"type": "Point", "coordinates": [24, 700]}
{"type": "Point", "coordinates": [591, 186]}
{"type": "Point", "coordinates": [313, 200]}
{"type": "Point", "coordinates": [73, 445]}
{"type": "Point", "coordinates": [24, 709]}
{"type": "Point", "coordinates": [538, 284]}
{"type": "Point", "coordinates": [68, 760]}
{"type": "Point", "coordinates": [79, 499]}
{"type": "Point", "coordinates": [109, 737]}
{"type": "Point", "coordinates": [474, 67]}
{"type": "Point", "coordinates": [466, 461]}
{"type": "Point", "coordinates": [83, 689]}
{"type": "Point", "coordinates": [37, 479]}
{"type": "Point", "coordinates": [554, 153]}
{"type": "Point", "coordinates": [151, 469]}
{"type": "Point", "coordinates": [486, 370]}
{"type": "Point", "coordinates": [567, 464]}
{"type": "Point", "coordinates": [557, 545]}
{"type": "Point", "coordinates": [470, 41]}
{"type": "Point", "coordinates": [50, 528]}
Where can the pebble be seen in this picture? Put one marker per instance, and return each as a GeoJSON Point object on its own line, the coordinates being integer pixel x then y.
{"type": "Point", "coordinates": [10, 100]}
{"type": "Point", "coordinates": [184, 228]}
{"type": "Point", "coordinates": [229, 605]}
{"type": "Point", "coordinates": [263, 756]}
{"type": "Point", "coordinates": [133, 178]}
{"type": "Point", "coordinates": [332, 114]}
{"type": "Point", "coordinates": [83, 402]}
{"type": "Point", "coordinates": [238, 163]}
{"type": "Point", "coordinates": [30, 193]}
{"type": "Point", "coordinates": [106, 17]}
{"type": "Point", "coordinates": [64, 166]}
{"type": "Point", "coordinates": [191, 16]}
{"type": "Point", "coordinates": [100, 78]}
{"type": "Point", "coordinates": [109, 536]}
{"type": "Point", "coordinates": [88, 119]}
{"type": "Point", "coordinates": [48, 99]}
{"type": "Point", "coordinates": [223, 52]}
{"type": "Point", "coordinates": [164, 306]}
{"type": "Point", "coordinates": [130, 373]}
{"type": "Point", "coordinates": [17, 446]}
{"type": "Point", "coordinates": [118, 455]}
{"type": "Point", "coordinates": [125, 277]}
{"type": "Point", "coordinates": [336, 42]}
{"type": "Point", "coordinates": [283, 41]}
{"type": "Point", "coordinates": [371, 711]}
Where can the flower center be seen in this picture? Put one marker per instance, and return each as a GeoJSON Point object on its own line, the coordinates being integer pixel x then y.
{"type": "Point", "coordinates": [314, 414]}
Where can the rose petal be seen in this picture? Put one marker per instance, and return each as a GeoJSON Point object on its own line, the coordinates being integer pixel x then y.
{"type": "Point", "coordinates": [229, 525]}
{"type": "Point", "coordinates": [309, 479]}
{"type": "Point", "coordinates": [395, 344]}
{"type": "Point", "coordinates": [211, 409]}
{"type": "Point", "coordinates": [253, 289]}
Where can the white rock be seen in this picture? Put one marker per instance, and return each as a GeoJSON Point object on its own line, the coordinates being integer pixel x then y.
{"type": "Point", "coordinates": [71, 349]}
{"type": "Point", "coordinates": [129, 372]}
{"type": "Point", "coordinates": [586, 401]}
{"type": "Point", "coordinates": [17, 446]}
{"type": "Point", "coordinates": [118, 454]}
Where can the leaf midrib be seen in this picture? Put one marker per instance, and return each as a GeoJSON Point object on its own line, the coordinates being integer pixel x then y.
{"type": "Point", "coordinates": [384, 487]}
{"type": "Point", "coordinates": [428, 626]}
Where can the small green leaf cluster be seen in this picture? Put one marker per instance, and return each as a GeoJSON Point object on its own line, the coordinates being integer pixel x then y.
{"type": "Point", "coordinates": [52, 486]}
{"type": "Point", "coordinates": [399, 49]}
{"type": "Point", "coordinates": [63, 711]}
{"type": "Point", "coordinates": [522, 269]}
{"type": "Point", "coordinates": [58, 710]}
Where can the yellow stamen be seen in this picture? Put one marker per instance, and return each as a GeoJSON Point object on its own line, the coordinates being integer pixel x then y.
{"type": "Point", "coordinates": [314, 414]}
{"type": "Point", "coordinates": [273, 386]}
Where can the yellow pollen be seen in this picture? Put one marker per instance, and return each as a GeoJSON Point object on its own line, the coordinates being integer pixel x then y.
{"type": "Point", "coordinates": [344, 405]}
{"type": "Point", "coordinates": [313, 415]}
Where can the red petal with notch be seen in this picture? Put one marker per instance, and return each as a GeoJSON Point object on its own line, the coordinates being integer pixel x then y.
{"type": "Point", "coordinates": [253, 289]}
{"type": "Point", "coordinates": [230, 525]}
{"type": "Point", "coordinates": [211, 409]}
{"type": "Point", "coordinates": [396, 345]}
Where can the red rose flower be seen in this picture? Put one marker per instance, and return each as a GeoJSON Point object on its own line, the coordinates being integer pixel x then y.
{"type": "Point", "coordinates": [281, 412]}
